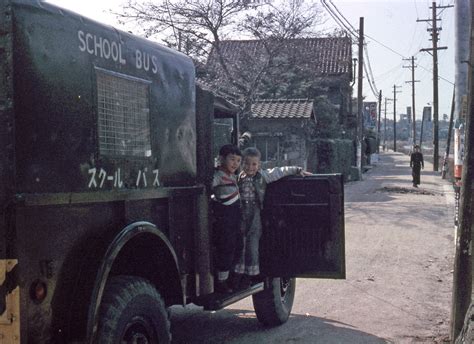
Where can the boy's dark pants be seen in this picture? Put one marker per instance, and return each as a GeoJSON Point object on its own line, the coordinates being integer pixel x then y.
{"type": "Point", "coordinates": [416, 172]}
{"type": "Point", "coordinates": [226, 236]}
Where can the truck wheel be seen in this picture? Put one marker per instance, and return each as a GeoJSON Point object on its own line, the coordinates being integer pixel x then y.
{"type": "Point", "coordinates": [273, 304]}
{"type": "Point", "coordinates": [132, 311]}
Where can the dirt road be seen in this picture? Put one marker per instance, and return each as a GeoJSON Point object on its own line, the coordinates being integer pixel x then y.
{"type": "Point", "coordinates": [399, 254]}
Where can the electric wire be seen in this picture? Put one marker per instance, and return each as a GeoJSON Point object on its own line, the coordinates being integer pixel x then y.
{"type": "Point", "coordinates": [345, 24]}
{"type": "Point", "coordinates": [335, 12]}
{"type": "Point", "coordinates": [354, 34]}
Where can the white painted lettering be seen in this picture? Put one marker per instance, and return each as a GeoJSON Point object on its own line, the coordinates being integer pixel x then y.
{"type": "Point", "coordinates": [156, 182]}
{"type": "Point", "coordinates": [106, 48]}
{"type": "Point", "coordinates": [118, 180]}
{"type": "Point", "coordinates": [82, 45]}
{"type": "Point", "coordinates": [89, 38]}
{"type": "Point", "coordinates": [115, 51]}
{"type": "Point", "coordinates": [92, 182]}
{"type": "Point", "coordinates": [102, 177]}
{"type": "Point", "coordinates": [121, 59]}
{"type": "Point", "coordinates": [146, 62]}
{"type": "Point", "coordinates": [138, 59]}
{"type": "Point", "coordinates": [144, 177]}
{"type": "Point", "coordinates": [141, 178]}
{"type": "Point", "coordinates": [98, 45]}
{"type": "Point", "coordinates": [154, 61]}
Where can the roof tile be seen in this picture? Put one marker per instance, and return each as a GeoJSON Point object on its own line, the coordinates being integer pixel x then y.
{"type": "Point", "coordinates": [282, 108]}
{"type": "Point", "coordinates": [322, 56]}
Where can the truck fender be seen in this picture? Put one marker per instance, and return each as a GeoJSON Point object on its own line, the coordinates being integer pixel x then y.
{"type": "Point", "coordinates": [127, 235]}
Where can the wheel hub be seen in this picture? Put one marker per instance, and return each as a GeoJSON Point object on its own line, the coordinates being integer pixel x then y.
{"type": "Point", "coordinates": [138, 331]}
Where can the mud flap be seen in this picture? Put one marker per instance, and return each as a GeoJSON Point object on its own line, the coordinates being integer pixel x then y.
{"type": "Point", "coordinates": [9, 303]}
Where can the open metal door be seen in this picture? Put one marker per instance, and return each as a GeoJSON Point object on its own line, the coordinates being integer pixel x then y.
{"type": "Point", "coordinates": [303, 228]}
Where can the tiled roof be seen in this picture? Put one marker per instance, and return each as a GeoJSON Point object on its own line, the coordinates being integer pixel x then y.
{"type": "Point", "coordinates": [322, 56]}
{"type": "Point", "coordinates": [282, 108]}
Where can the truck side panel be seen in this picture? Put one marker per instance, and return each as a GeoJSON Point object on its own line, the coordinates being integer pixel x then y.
{"type": "Point", "coordinates": [104, 137]}
{"type": "Point", "coordinates": [98, 109]}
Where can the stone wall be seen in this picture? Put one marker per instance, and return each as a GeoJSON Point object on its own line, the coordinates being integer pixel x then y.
{"type": "Point", "coordinates": [331, 156]}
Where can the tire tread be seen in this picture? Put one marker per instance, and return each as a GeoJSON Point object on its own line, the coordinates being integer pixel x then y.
{"type": "Point", "coordinates": [118, 291]}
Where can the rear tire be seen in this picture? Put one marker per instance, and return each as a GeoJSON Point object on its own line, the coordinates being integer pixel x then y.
{"type": "Point", "coordinates": [273, 304]}
{"type": "Point", "coordinates": [132, 311]}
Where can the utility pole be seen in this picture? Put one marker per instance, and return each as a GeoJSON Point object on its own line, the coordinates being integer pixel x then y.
{"type": "Point", "coordinates": [378, 122]}
{"type": "Point", "coordinates": [444, 169]}
{"type": "Point", "coordinates": [395, 116]}
{"type": "Point", "coordinates": [412, 67]}
{"type": "Point", "coordinates": [434, 34]}
{"type": "Point", "coordinates": [360, 105]}
{"type": "Point", "coordinates": [421, 131]}
{"type": "Point", "coordinates": [385, 124]}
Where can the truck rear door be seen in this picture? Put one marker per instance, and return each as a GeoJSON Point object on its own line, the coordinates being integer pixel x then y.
{"type": "Point", "coordinates": [303, 228]}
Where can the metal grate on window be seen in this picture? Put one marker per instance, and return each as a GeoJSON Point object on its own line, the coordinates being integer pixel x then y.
{"type": "Point", "coordinates": [123, 114]}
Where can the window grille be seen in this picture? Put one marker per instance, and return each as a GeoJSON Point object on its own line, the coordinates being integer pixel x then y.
{"type": "Point", "coordinates": [123, 115]}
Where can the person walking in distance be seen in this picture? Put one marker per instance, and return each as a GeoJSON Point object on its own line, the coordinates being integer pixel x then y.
{"type": "Point", "coordinates": [416, 164]}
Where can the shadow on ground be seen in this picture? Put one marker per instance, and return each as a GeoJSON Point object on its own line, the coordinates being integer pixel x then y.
{"type": "Point", "coordinates": [193, 326]}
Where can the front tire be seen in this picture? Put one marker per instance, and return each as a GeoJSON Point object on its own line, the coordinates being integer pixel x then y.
{"type": "Point", "coordinates": [273, 305]}
{"type": "Point", "coordinates": [133, 312]}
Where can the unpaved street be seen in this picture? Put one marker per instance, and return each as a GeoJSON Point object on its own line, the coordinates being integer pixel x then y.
{"type": "Point", "coordinates": [399, 249]}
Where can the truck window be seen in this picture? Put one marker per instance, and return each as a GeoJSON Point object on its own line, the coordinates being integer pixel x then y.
{"type": "Point", "coordinates": [123, 114]}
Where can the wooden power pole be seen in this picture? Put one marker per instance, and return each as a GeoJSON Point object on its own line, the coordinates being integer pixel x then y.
{"type": "Point", "coordinates": [412, 67]}
{"type": "Point", "coordinates": [434, 37]}
{"type": "Point", "coordinates": [444, 168]}
{"type": "Point", "coordinates": [378, 122]}
{"type": "Point", "coordinates": [395, 116]}
{"type": "Point", "coordinates": [360, 105]}
{"type": "Point", "coordinates": [385, 124]}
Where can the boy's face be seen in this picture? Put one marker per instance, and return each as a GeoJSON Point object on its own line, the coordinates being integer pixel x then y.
{"type": "Point", "coordinates": [231, 163]}
{"type": "Point", "coordinates": [251, 165]}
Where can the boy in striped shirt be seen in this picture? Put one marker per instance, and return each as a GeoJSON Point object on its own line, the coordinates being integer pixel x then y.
{"type": "Point", "coordinates": [226, 208]}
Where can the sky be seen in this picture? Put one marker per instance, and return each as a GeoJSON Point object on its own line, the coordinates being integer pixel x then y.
{"type": "Point", "coordinates": [392, 34]}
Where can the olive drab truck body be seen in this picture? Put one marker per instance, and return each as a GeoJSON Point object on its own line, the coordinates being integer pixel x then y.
{"type": "Point", "coordinates": [108, 147]}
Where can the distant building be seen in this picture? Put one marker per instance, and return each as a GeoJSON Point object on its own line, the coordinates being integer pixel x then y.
{"type": "Point", "coordinates": [323, 65]}
{"type": "Point", "coordinates": [427, 113]}
{"type": "Point", "coordinates": [280, 130]}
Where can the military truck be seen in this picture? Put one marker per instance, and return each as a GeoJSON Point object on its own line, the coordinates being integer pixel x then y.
{"type": "Point", "coordinates": [108, 148]}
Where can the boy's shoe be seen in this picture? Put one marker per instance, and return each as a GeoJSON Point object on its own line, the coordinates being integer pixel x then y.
{"type": "Point", "coordinates": [221, 287]}
{"type": "Point", "coordinates": [235, 280]}
{"type": "Point", "coordinates": [256, 279]}
{"type": "Point", "coordinates": [245, 282]}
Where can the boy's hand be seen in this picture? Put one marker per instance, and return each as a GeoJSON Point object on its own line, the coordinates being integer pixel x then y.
{"type": "Point", "coordinates": [304, 173]}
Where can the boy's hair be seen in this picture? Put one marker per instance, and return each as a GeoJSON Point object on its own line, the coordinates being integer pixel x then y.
{"type": "Point", "coordinates": [229, 149]}
{"type": "Point", "coordinates": [252, 152]}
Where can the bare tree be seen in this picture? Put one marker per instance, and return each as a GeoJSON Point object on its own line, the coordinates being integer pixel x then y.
{"type": "Point", "coordinates": [198, 27]}
{"type": "Point", "coordinates": [203, 21]}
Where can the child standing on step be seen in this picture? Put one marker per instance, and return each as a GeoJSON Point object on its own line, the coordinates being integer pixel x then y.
{"type": "Point", "coordinates": [227, 215]}
{"type": "Point", "coordinates": [252, 184]}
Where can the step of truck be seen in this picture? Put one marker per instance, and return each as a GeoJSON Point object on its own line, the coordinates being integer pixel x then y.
{"type": "Point", "coordinates": [216, 301]}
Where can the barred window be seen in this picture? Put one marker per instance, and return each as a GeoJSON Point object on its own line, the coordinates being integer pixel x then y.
{"type": "Point", "coordinates": [123, 115]}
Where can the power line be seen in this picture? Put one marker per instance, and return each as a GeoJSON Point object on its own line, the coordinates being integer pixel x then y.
{"type": "Point", "coordinates": [416, 8]}
{"type": "Point", "coordinates": [368, 79]}
{"type": "Point", "coordinates": [342, 15]}
{"type": "Point", "coordinates": [342, 20]}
